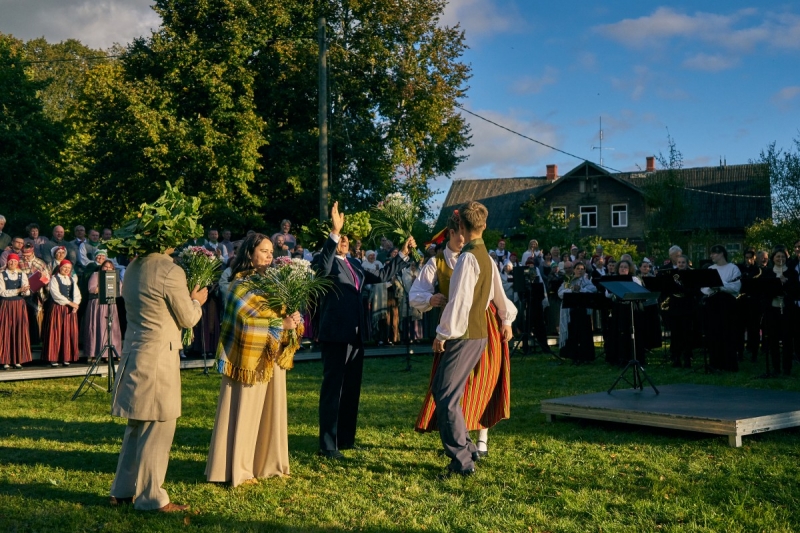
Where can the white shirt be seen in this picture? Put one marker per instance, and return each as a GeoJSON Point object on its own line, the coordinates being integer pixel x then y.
{"type": "Point", "coordinates": [14, 276]}
{"type": "Point", "coordinates": [419, 297]}
{"type": "Point", "coordinates": [214, 246]}
{"type": "Point", "coordinates": [455, 317]}
{"type": "Point", "coordinates": [731, 279]}
{"type": "Point", "coordinates": [55, 293]}
{"type": "Point", "coordinates": [528, 253]}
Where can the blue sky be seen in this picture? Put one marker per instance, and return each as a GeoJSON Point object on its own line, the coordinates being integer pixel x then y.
{"type": "Point", "coordinates": [722, 76]}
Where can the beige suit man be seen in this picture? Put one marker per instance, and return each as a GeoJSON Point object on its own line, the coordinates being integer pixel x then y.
{"type": "Point", "coordinates": [148, 386]}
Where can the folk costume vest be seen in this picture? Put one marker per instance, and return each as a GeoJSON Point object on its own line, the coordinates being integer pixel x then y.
{"type": "Point", "coordinates": [12, 284]}
{"type": "Point", "coordinates": [443, 273]}
{"type": "Point", "coordinates": [477, 327]}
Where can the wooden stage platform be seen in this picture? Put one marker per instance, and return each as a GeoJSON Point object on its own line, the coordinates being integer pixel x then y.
{"type": "Point", "coordinates": [730, 411]}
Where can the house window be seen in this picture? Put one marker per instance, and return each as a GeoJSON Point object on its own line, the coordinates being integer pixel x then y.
{"type": "Point", "coordinates": [559, 213]}
{"type": "Point", "coordinates": [619, 216]}
{"type": "Point", "coordinates": [588, 216]}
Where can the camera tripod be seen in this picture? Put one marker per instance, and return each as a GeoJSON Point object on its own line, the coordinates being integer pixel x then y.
{"type": "Point", "coordinates": [109, 351]}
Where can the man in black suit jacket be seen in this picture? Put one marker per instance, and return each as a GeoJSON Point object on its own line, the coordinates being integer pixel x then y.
{"type": "Point", "coordinates": [342, 332]}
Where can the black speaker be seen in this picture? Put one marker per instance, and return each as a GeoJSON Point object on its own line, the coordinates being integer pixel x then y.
{"type": "Point", "coordinates": [107, 285]}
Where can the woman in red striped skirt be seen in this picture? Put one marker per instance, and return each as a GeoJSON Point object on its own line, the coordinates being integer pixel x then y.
{"type": "Point", "coordinates": [60, 335]}
{"type": "Point", "coordinates": [15, 341]}
{"type": "Point", "coordinates": [487, 394]}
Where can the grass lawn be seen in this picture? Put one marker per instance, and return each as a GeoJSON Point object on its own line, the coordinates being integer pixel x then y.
{"type": "Point", "coordinates": [57, 460]}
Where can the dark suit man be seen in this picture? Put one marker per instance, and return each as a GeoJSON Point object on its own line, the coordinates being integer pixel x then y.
{"type": "Point", "coordinates": [342, 332]}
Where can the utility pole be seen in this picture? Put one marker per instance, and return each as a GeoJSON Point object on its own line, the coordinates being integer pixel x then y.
{"type": "Point", "coordinates": [323, 122]}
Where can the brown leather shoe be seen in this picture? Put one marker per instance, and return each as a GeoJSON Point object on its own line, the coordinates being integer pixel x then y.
{"type": "Point", "coordinates": [116, 502]}
{"type": "Point", "coordinates": [173, 508]}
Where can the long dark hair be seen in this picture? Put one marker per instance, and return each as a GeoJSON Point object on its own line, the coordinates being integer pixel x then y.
{"type": "Point", "coordinates": [244, 255]}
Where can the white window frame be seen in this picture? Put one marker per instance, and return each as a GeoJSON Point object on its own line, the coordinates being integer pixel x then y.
{"type": "Point", "coordinates": [588, 215]}
{"type": "Point", "coordinates": [625, 212]}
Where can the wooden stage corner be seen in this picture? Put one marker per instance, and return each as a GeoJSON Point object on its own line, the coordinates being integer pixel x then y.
{"type": "Point", "coordinates": [730, 411]}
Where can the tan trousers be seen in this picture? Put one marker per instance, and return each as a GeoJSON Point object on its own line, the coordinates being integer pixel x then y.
{"type": "Point", "coordinates": [143, 462]}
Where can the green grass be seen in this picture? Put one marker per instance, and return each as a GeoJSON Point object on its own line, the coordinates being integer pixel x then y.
{"type": "Point", "coordinates": [57, 460]}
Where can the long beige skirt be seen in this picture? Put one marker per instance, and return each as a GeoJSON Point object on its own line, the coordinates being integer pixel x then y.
{"type": "Point", "coordinates": [250, 437]}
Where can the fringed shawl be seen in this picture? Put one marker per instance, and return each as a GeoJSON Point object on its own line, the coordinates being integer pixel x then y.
{"type": "Point", "coordinates": [252, 338]}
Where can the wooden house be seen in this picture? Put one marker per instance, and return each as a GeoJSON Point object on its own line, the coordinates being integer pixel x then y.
{"type": "Point", "coordinates": [721, 200]}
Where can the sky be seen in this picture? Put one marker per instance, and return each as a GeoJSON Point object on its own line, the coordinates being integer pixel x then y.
{"type": "Point", "coordinates": [721, 77]}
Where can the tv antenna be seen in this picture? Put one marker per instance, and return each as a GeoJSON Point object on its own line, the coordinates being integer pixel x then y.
{"type": "Point", "coordinates": [601, 143]}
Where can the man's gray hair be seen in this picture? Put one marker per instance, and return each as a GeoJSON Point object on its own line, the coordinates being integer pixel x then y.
{"type": "Point", "coordinates": [2, 218]}
{"type": "Point", "coordinates": [675, 249]}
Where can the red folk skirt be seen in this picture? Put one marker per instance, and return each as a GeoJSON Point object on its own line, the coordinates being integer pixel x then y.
{"type": "Point", "coordinates": [60, 334]}
{"type": "Point", "coordinates": [487, 394]}
{"type": "Point", "coordinates": [15, 339]}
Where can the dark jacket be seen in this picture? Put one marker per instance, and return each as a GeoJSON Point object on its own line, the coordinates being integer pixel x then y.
{"type": "Point", "coordinates": [341, 310]}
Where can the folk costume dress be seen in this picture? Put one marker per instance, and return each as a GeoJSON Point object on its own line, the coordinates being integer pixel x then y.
{"type": "Point", "coordinates": [60, 333]}
{"type": "Point", "coordinates": [15, 341]}
{"type": "Point", "coordinates": [95, 323]}
{"type": "Point", "coordinates": [487, 394]}
{"type": "Point", "coordinates": [250, 436]}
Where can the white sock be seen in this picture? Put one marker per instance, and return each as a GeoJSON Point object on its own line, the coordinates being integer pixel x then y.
{"type": "Point", "coordinates": [483, 440]}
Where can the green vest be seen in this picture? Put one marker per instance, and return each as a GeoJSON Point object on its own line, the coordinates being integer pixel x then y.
{"type": "Point", "coordinates": [477, 327]}
{"type": "Point", "coordinates": [443, 274]}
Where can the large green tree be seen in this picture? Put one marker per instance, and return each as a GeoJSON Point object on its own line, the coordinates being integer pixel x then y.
{"type": "Point", "coordinates": [30, 140]}
{"type": "Point", "coordinates": [222, 101]}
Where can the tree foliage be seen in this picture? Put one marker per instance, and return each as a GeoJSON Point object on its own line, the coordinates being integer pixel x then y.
{"type": "Point", "coordinates": [549, 228]}
{"type": "Point", "coordinates": [221, 100]}
{"type": "Point", "coordinates": [30, 140]}
{"type": "Point", "coordinates": [663, 197]}
{"type": "Point", "coordinates": [784, 175]}
{"type": "Point", "coordinates": [766, 234]}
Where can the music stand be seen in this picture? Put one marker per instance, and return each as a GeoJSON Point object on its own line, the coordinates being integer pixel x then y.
{"type": "Point", "coordinates": [525, 289]}
{"type": "Point", "coordinates": [630, 292]}
{"type": "Point", "coordinates": [694, 280]}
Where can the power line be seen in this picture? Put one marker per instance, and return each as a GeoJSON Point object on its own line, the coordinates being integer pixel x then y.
{"type": "Point", "coordinates": [529, 138]}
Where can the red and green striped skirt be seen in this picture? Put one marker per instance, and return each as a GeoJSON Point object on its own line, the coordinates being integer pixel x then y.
{"type": "Point", "coordinates": [15, 341]}
{"type": "Point", "coordinates": [487, 394]}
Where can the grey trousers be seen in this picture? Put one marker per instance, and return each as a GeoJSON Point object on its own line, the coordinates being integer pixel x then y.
{"type": "Point", "coordinates": [143, 462]}
{"type": "Point", "coordinates": [459, 358]}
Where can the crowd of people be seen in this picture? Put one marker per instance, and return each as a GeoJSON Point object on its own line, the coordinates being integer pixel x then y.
{"type": "Point", "coordinates": [58, 308]}
{"type": "Point", "coordinates": [468, 300]}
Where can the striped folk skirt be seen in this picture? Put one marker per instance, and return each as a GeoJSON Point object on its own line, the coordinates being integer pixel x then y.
{"type": "Point", "coordinates": [15, 340]}
{"type": "Point", "coordinates": [60, 335]}
{"type": "Point", "coordinates": [487, 394]}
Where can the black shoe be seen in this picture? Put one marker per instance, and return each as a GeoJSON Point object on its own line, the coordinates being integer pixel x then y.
{"type": "Point", "coordinates": [448, 472]}
{"type": "Point", "coordinates": [477, 455]}
{"type": "Point", "coordinates": [336, 455]}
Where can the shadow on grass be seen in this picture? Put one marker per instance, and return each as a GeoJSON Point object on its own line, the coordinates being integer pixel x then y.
{"type": "Point", "coordinates": [90, 511]}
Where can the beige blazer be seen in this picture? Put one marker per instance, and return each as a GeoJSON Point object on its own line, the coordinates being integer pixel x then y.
{"type": "Point", "coordinates": [158, 305]}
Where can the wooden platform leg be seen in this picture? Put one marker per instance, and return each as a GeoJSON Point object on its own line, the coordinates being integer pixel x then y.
{"type": "Point", "coordinates": [549, 418]}
{"type": "Point", "coordinates": [735, 441]}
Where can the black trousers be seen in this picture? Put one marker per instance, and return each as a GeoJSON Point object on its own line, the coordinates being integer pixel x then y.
{"type": "Point", "coordinates": [780, 322]}
{"type": "Point", "coordinates": [343, 366]}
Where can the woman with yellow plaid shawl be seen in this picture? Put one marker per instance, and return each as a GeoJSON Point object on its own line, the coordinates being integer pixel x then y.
{"type": "Point", "coordinates": [250, 437]}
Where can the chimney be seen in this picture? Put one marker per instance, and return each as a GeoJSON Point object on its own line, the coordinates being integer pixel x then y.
{"type": "Point", "coordinates": [651, 164]}
{"type": "Point", "coordinates": [552, 173]}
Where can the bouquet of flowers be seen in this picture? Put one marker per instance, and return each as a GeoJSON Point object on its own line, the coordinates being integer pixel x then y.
{"type": "Point", "coordinates": [396, 215]}
{"type": "Point", "coordinates": [202, 268]}
{"type": "Point", "coordinates": [287, 286]}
